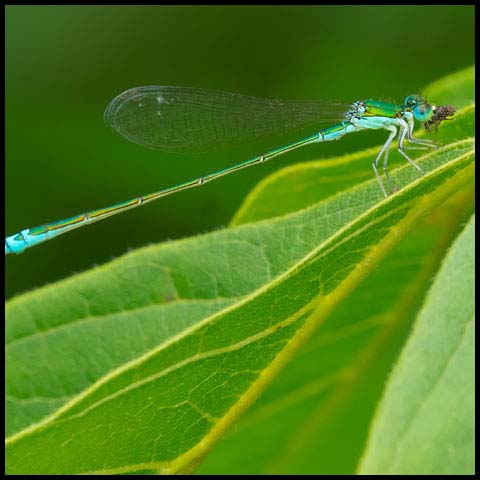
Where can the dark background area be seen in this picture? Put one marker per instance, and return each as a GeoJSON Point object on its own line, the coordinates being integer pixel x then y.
{"type": "Point", "coordinates": [65, 63]}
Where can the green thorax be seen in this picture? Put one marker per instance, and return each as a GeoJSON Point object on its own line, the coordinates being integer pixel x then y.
{"type": "Point", "coordinates": [382, 109]}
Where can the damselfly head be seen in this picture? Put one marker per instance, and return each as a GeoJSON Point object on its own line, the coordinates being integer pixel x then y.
{"type": "Point", "coordinates": [440, 113]}
{"type": "Point", "coordinates": [422, 110]}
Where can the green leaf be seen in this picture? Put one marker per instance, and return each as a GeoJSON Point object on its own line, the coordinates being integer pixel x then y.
{"type": "Point", "coordinates": [425, 423]}
{"type": "Point", "coordinates": [144, 363]}
{"type": "Point", "coordinates": [315, 416]}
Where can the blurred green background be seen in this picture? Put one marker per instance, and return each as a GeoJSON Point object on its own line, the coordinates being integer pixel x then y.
{"type": "Point", "coordinates": [65, 63]}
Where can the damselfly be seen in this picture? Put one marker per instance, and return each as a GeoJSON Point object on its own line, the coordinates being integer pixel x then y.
{"type": "Point", "coordinates": [181, 119]}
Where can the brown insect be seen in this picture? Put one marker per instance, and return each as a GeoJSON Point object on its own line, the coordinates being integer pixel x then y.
{"type": "Point", "coordinates": [440, 113]}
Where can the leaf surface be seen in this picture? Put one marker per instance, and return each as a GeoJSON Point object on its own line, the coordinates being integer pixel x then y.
{"type": "Point", "coordinates": [426, 421]}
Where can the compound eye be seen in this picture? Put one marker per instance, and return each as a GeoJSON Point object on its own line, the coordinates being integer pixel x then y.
{"type": "Point", "coordinates": [423, 112]}
{"type": "Point", "coordinates": [413, 100]}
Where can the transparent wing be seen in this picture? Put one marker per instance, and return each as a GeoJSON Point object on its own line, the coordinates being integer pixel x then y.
{"type": "Point", "coordinates": [179, 119]}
